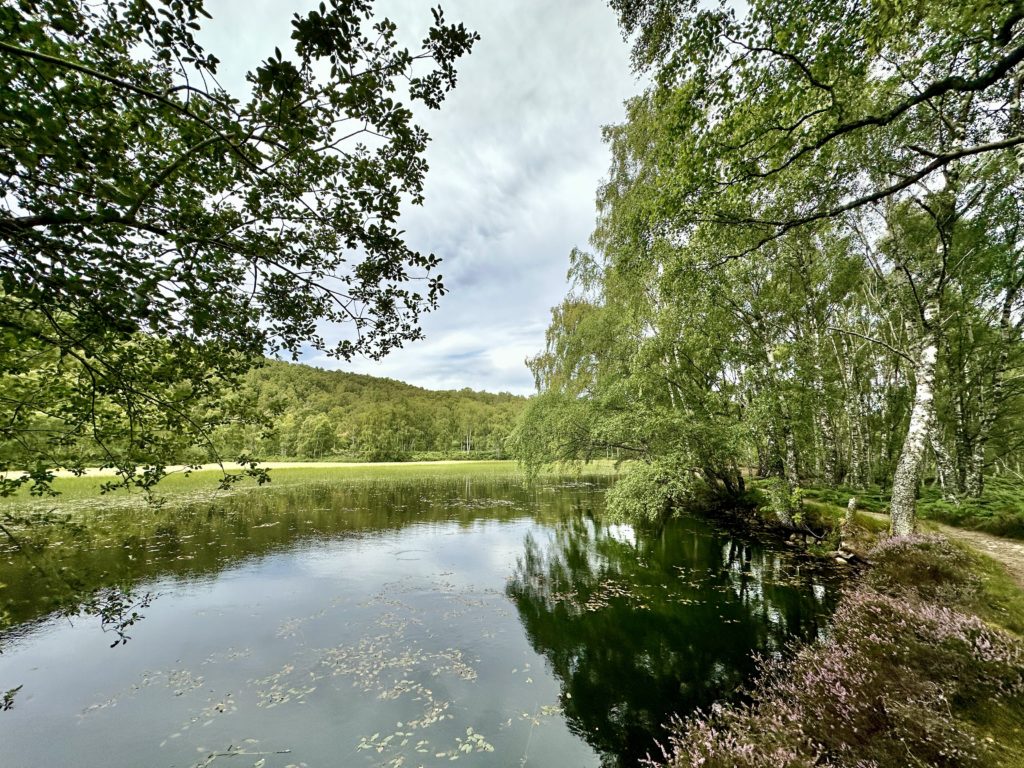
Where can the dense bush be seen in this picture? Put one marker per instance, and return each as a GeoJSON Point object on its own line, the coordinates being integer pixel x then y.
{"type": "Point", "coordinates": [928, 567]}
{"type": "Point", "coordinates": [889, 686]}
{"type": "Point", "coordinates": [648, 490]}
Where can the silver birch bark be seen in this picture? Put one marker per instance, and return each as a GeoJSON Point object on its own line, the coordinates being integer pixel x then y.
{"type": "Point", "coordinates": [903, 508]}
{"type": "Point", "coordinates": [944, 466]}
{"type": "Point", "coordinates": [830, 457]}
{"type": "Point", "coordinates": [827, 452]}
{"type": "Point", "coordinates": [853, 407]}
{"type": "Point", "coordinates": [848, 519]}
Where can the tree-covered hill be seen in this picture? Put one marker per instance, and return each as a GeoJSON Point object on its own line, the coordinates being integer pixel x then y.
{"type": "Point", "coordinates": [288, 411]}
{"type": "Point", "coordinates": [315, 413]}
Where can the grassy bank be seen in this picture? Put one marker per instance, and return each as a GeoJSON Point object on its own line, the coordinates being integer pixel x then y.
{"type": "Point", "coordinates": [1000, 510]}
{"type": "Point", "coordinates": [89, 488]}
{"type": "Point", "coordinates": [923, 665]}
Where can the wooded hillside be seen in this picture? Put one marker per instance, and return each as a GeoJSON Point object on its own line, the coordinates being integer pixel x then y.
{"type": "Point", "coordinates": [316, 413]}
{"type": "Point", "coordinates": [288, 411]}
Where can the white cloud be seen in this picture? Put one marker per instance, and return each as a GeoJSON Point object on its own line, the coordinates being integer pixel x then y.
{"type": "Point", "coordinates": [515, 159]}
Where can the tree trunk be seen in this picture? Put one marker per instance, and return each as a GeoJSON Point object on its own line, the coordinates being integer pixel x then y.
{"type": "Point", "coordinates": [858, 448]}
{"type": "Point", "coordinates": [992, 404]}
{"type": "Point", "coordinates": [856, 468]}
{"type": "Point", "coordinates": [975, 484]}
{"type": "Point", "coordinates": [762, 459]}
{"type": "Point", "coordinates": [903, 508]}
{"type": "Point", "coordinates": [944, 465]}
{"type": "Point", "coordinates": [783, 503]}
{"type": "Point", "coordinates": [846, 526]}
{"type": "Point", "coordinates": [790, 468]}
{"type": "Point", "coordinates": [856, 471]}
{"type": "Point", "coordinates": [830, 459]}
{"type": "Point", "coordinates": [964, 447]}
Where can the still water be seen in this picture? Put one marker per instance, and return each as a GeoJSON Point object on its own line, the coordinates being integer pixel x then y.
{"type": "Point", "coordinates": [387, 624]}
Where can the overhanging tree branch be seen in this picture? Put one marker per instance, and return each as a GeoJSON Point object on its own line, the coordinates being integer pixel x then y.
{"type": "Point", "coordinates": [940, 161]}
{"type": "Point", "coordinates": [937, 89]}
{"type": "Point", "coordinates": [139, 90]}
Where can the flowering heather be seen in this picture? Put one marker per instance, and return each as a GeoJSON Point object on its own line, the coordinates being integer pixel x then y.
{"type": "Point", "coordinates": [882, 690]}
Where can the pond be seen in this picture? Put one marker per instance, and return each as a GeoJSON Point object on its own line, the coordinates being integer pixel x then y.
{"type": "Point", "coordinates": [386, 624]}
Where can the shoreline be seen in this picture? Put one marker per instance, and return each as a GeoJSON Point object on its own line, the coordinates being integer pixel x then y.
{"type": "Point", "coordinates": [231, 466]}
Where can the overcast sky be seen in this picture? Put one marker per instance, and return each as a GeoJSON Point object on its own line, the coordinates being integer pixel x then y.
{"type": "Point", "coordinates": [515, 159]}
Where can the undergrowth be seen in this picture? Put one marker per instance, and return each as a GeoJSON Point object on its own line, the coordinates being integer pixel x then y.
{"type": "Point", "coordinates": [921, 667]}
{"type": "Point", "coordinates": [999, 511]}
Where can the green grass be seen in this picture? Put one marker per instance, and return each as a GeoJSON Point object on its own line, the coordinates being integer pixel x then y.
{"type": "Point", "coordinates": [1000, 600]}
{"type": "Point", "coordinates": [871, 499]}
{"type": "Point", "coordinates": [999, 512]}
{"type": "Point", "coordinates": [1001, 603]}
{"type": "Point", "coordinates": [826, 508]}
{"type": "Point", "coordinates": [179, 484]}
{"type": "Point", "coordinates": [832, 515]}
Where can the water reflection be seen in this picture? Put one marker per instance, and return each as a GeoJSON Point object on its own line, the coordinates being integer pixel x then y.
{"type": "Point", "coordinates": [640, 625]}
{"type": "Point", "coordinates": [387, 624]}
{"type": "Point", "coordinates": [57, 559]}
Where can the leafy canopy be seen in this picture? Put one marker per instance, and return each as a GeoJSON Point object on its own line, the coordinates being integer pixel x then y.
{"type": "Point", "coordinates": [773, 115]}
{"type": "Point", "coordinates": [145, 207]}
{"type": "Point", "coordinates": [808, 196]}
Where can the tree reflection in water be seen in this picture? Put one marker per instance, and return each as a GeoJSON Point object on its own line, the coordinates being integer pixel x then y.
{"type": "Point", "coordinates": [639, 625]}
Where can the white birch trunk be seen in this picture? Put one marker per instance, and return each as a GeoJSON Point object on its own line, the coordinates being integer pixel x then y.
{"type": "Point", "coordinates": [848, 519]}
{"type": "Point", "coordinates": [944, 466]}
{"type": "Point", "coordinates": [903, 508]}
{"type": "Point", "coordinates": [830, 457]}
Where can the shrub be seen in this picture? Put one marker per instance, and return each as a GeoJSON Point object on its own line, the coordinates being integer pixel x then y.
{"type": "Point", "coordinates": [885, 688]}
{"type": "Point", "coordinates": [931, 567]}
{"type": "Point", "coordinates": [648, 490]}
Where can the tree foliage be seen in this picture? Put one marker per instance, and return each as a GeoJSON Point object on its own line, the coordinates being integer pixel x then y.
{"type": "Point", "coordinates": [808, 258]}
{"type": "Point", "coordinates": [860, 103]}
{"type": "Point", "coordinates": [159, 233]}
{"type": "Point", "coordinates": [317, 413]}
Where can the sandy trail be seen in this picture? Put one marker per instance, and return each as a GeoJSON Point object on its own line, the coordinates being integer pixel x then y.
{"type": "Point", "coordinates": [1009, 552]}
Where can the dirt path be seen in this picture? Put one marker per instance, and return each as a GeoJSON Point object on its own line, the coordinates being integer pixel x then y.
{"type": "Point", "coordinates": [1009, 552]}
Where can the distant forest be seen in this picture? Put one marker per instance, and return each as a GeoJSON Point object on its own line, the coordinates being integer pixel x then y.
{"type": "Point", "coordinates": [286, 411]}
{"type": "Point", "coordinates": [316, 414]}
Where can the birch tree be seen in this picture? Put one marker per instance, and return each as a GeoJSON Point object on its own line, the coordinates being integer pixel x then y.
{"type": "Point", "coordinates": [777, 116]}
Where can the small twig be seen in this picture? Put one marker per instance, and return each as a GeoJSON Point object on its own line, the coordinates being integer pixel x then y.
{"type": "Point", "coordinates": [235, 753]}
